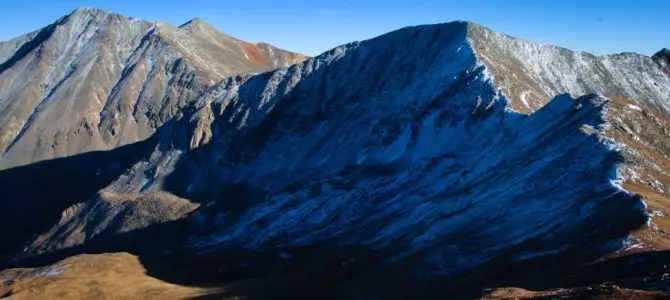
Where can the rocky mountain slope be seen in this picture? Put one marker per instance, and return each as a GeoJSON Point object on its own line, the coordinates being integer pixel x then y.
{"type": "Point", "coordinates": [95, 80]}
{"type": "Point", "coordinates": [437, 157]}
{"type": "Point", "coordinates": [637, 119]}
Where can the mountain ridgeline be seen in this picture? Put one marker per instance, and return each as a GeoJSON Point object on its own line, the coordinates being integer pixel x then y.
{"type": "Point", "coordinates": [438, 156]}
{"type": "Point", "coordinates": [94, 80]}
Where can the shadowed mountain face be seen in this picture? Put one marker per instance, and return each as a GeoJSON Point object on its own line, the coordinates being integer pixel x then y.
{"type": "Point", "coordinates": [34, 196]}
{"type": "Point", "coordinates": [426, 161]}
{"type": "Point", "coordinates": [441, 151]}
{"type": "Point", "coordinates": [94, 80]}
{"type": "Point", "coordinates": [663, 59]}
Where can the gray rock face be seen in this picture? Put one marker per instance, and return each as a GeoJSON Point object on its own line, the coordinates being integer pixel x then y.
{"type": "Point", "coordinates": [94, 80]}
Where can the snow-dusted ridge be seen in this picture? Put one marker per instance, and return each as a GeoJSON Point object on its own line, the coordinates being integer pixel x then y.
{"type": "Point", "coordinates": [637, 123]}
{"type": "Point", "coordinates": [402, 142]}
{"type": "Point", "coordinates": [539, 71]}
{"type": "Point", "coordinates": [438, 145]}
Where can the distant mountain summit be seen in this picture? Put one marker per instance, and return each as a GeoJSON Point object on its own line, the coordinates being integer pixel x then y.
{"type": "Point", "coordinates": [95, 80]}
{"type": "Point", "coordinates": [223, 55]}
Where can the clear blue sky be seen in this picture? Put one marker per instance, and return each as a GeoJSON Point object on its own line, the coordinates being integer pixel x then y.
{"type": "Point", "coordinates": [311, 27]}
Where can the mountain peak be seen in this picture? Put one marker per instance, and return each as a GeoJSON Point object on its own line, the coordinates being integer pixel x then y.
{"type": "Point", "coordinates": [665, 52]}
{"type": "Point", "coordinates": [662, 58]}
{"type": "Point", "coordinates": [195, 23]}
{"type": "Point", "coordinates": [90, 10]}
{"type": "Point", "coordinates": [84, 12]}
{"type": "Point", "coordinates": [191, 22]}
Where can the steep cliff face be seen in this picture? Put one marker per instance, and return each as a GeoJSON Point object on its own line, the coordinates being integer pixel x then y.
{"type": "Point", "coordinates": [94, 80]}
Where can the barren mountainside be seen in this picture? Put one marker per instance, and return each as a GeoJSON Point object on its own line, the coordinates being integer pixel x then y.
{"type": "Point", "coordinates": [432, 159]}
{"type": "Point", "coordinates": [95, 80]}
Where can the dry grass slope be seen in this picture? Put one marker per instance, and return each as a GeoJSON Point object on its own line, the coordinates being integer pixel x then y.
{"type": "Point", "coordinates": [102, 276]}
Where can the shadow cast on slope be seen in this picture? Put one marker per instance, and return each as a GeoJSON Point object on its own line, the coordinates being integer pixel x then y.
{"type": "Point", "coordinates": [318, 270]}
{"type": "Point", "coordinates": [34, 196]}
{"type": "Point", "coordinates": [313, 271]}
{"type": "Point", "coordinates": [328, 273]}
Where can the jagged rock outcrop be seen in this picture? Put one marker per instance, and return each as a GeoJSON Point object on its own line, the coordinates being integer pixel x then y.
{"type": "Point", "coordinates": [95, 80]}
